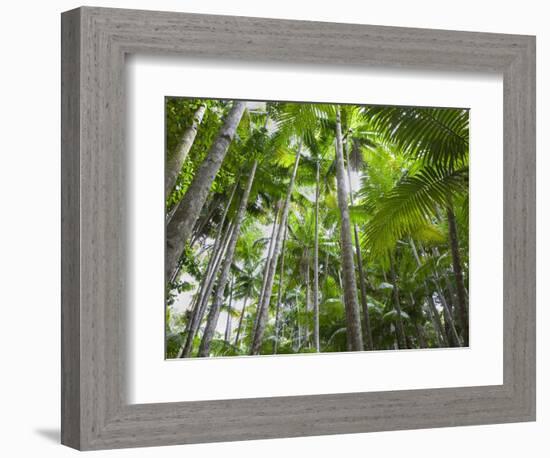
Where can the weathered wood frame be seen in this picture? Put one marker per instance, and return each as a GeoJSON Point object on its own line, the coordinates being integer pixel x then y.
{"type": "Point", "coordinates": [95, 414]}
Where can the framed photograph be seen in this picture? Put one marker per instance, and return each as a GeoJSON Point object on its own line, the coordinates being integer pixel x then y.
{"type": "Point", "coordinates": [277, 223]}
{"type": "Point", "coordinates": [285, 228]}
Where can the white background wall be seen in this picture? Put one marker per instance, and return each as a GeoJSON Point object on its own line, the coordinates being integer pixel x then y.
{"type": "Point", "coordinates": [29, 229]}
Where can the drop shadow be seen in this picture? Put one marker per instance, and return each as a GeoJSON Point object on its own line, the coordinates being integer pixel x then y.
{"type": "Point", "coordinates": [53, 435]}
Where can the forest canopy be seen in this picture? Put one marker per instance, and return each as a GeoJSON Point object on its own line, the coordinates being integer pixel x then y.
{"type": "Point", "coordinates": [307, 227]}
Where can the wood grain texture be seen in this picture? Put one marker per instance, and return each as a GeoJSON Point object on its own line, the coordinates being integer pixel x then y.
{"type": "Point", "coordinates": [95, 411]}
{"type": "Point", "coordinates": [70, 229]}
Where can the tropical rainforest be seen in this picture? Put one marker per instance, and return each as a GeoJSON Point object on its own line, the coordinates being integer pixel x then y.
{"type": "Point", "coordinates": [308, 227]}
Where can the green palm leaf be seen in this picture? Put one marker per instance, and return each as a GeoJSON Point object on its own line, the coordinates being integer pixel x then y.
{"type": "Point", "coordinates": [439, 137]}
{"type": "Point", "coordinates": [412, 204]}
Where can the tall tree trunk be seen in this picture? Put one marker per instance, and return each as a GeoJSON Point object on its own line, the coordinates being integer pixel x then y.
{"type": "Point", "coordinates": [396, 336]}
{"type": "Point", "coordinates": [180, 227]}
{"type": "Point", "coordinates": [298, 326]}
{"type": "Point", "coordinates": [325, 274]}
{"type": "Point", "coordinates": [217, 266]}
{"type": "Point", "coordinates": [268, 258]}
{"type": "Point", "coordinates": [353, 320]}
{"type": "Point", "coordinates": [213, 315]}
{"type": "Point", "coordinates": [207, 285]}
{"type": "Point", "coordinates": [397, 305]}
{"type": "Point", "coordinates": [451, 299]}
{"type": "Point", "coordinates": [447, 300]}
{"type": "Point", "coordinates": [263, 305]}
{"type": "Point", "coordinates": [342, 299]}
{"type": "Point", "coordinates": [174, 165]}
{"type": "Point", "coordinates": [204, 220]}
{"type": "Point", "coordinates": [211, 205]}
{"type": "Point", "coordinates": [459, 278]}
{"type": "Point", "coordinates": [296, 337]}
{"type": "Point", "coordinates": [419, 326]}
{"type": "Point", "coordinates": [308, 302]}
{"type": "Point", "coordinates": [448, 316]}
{"type": "Point", "coordinates": [436, 323]}
{"type": "Point", "coordinates": [229, 310]}
{"type": "Point", "coordinates": [361, 275]}
{"type": "Point", "coordinates": [196, 318]}
{"type": "Point", "coordinates": [279, 292]}
{"type": "Point", "coordinates": [241, 319]}
{"type": "Point", "coordinates": [452, 335]}
{"type": "Point", "coordinates": [440, 333]}
{"type": "Point", "coordinates": [316, 267]}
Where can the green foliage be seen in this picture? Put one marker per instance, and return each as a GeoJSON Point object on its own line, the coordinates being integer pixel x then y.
{"type": "Point", "coordinates": [411, 206]}
{"type": "Point", "coordinates": [436, 136]}
{"type": "Point", "coordinates": [408, 166]}
{"type": "Point", "coordinates": [174, 341]}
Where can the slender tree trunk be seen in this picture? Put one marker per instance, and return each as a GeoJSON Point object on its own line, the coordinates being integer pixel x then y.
{"type": "Point", "coordinates": [213, 315]}
{"type": "Point", "coordinates": [241, 319]}
{"type": "Point", "coordinates": [448, 316]}
{"type": "Point", "coordinates": [363, 290]}
{"type": "Point", "coordinates": [263, 306]}
{"type": "Point", "coordinates": [342, 299]}
{"type": "Point", "coordinates": [196, 318]}
{"type": "Point", "coordinates": [459, 278]}
{"type": "Point", "coordinates": [353, 320]}
{"type": "Point", "coordinates": [180, 227]}
{"type": "Point", "coordinates": [325, 278]}
{"type": "Point", "coordinates": [316, 267]}
{"type": "Point", "coordinates": [267, 265]}
{"type": "Point", "coordinates": [229, 310]}
{"type": "Point", "coordinates": [419, 326]}
{"type": "Point", "coordinates": [308, 302]}
{"type": "Point", "coordinates": [434, 317]}
{"type": "Point", "coordinates": [298, 326]}
{"type": "Point", "coordinates": [402, 339]}
{"type": "Point", "coordinates": [361, 275]}
{"type": "Point", "coordinates": [217, 266]}
{"type": "Point", "coordinates": [207, 286]}
{"type": "Point", "coordinates": [447, 300]}
{"type": "Point", "coordinates": [453, 336]}
{"type": "Point", "coordinates": [174, 165]}
{"type": "Point", "coordinates": [199, 225]}
{"type": "Point", "coordinates": [451, 299]}
{"type": "Point", "coordinates": [440, 334]}
{"type": "Point", "coordinates": [279, 292]}
{"type": "Point", "coordinates": [204, 220]}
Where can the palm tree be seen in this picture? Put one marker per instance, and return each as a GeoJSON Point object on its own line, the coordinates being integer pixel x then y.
{"type": "Point", "coordinates": [355, 339]}
{"type": "Point", "coordinates": [354, 123]}
{"type": "Point", "coordinates": [280, 291]}
{"type": "Point", "coordinates": [207, 283]}
{"type": "Point", "coordinates": [248, 270]}
{"type": "Point", "coordinates": [457, 269]}
{"type": "Point", "coordinates": [439, 139]}
{"type": "Point", "coordinates": [316, 264]}
{"type": "Point", "coordinates": [434, 315]}
{"type": "Point", "coordinates": [229, 311]}
{"type": "Point", "coordinates": [214, 313]}
{"type": "Point", "coordinates": [265, 299]}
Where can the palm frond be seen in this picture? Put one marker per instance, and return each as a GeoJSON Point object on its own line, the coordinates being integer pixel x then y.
{"type": "Point", "coordinates": [412, 204]}
{"type": "Point", "coordinates": [438, 136]}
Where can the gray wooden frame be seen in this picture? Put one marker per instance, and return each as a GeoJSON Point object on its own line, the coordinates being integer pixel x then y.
{"type": "Point", "coordinates": [95, 413]}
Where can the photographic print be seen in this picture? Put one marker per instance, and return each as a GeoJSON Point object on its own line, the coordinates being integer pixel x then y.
{"type": "Point", "coordinates": [296, 227]}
